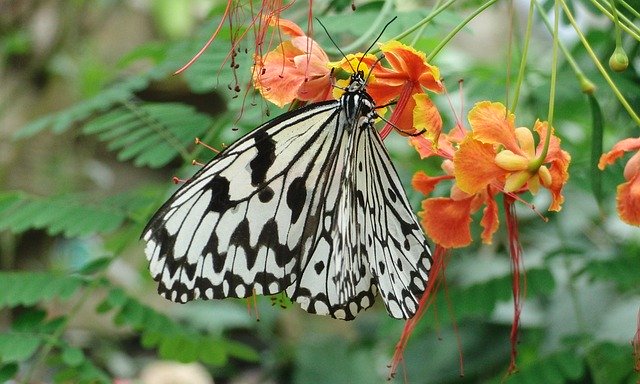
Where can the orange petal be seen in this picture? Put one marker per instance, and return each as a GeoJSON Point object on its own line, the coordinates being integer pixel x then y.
{"type": "Point", "coordinates": [490, 221]}
{"type": "Point", "coordinates": [287, 27]}
{"type": "Point", "coordinates": [628, 201]}
{"type": "Point", "coordinates": [447, 221]}
{"type": "Point", "coordinates": [492, 124]}
{"type": "Point", "coordinates": [423, 146]}
{"type": "Point", "coordinates": [630, 144]}
{"type": "Point", "coordinates": [402, 116]}
{"type": "Point", "coordinates": [555, 153]}
{"type": "Point", "coordinates": [424, 183]}
{"type": "Point", "coordinates": [633, 166]}
{"type": "Point", "coordinates": [411, 65]}
{"type": "Point", "coordinates": [475, 167]}
{"type": "Point", "coordinates": [427, 117]}
{"type": "Point", "coordinates": [559, 175]}
{"type": "Point", "coordinates": [276, 76]}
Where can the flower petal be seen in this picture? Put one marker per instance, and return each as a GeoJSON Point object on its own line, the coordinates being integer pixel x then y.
{"type": "Point", "coordinates": [411, 65]}
{"type": "Point", "coordinates": [475, 167]}
{"type": "Point", "coordinates": [287, 27]}
{"type": "Point", "coordinates": [628, 201]}
{"type": "Point", "coordinates": [490, 221]}
{"type": "Point", "coordinates": [492, 124]}
{"type": "Point", "coordinates": [427, 117]}
{"type": "Point", "coordinates": [424, 183]}
{"type": "Point", "coordinates": [558, 161]}
{"type": "Point", "coordinates": [630, 144]}
{"type": "Point", "coordinates": [447, 221]}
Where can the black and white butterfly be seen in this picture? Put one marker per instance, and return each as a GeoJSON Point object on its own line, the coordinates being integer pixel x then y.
{"type": "Point", "coordinates": [308, 203]}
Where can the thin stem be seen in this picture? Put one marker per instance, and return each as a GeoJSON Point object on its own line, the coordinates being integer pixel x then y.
{"type": "Point", "coordinates": [523, 61]}
{"type": "Point", "coordinates": [457, 29]}
{"type": "Point", "coordinates": [616, 23]}
{"type": "Point", "coordinates": [603, 72]}
{"type": "Point", "coordinates": [572, 62]}
{"type": "Point", "coordinates": [630, 8]}
{"type": "Point", "coordinates": [366, 37]}
{"type": "Point", "coordinates": [615, 16]}
{"type": "Point", "coordinates": [435, 12]}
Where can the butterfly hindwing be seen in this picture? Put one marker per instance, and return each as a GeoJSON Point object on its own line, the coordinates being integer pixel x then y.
{"type": "Point", "coordinates": [333, 281]}
{"type": "Point", "coordinates": [398, 252]}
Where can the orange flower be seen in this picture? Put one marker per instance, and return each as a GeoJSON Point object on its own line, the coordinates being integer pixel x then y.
{"type": "Point", "coordinates": [628, 193]}
{"type": "Point", "coordinates": [499, 154]}
{"type": "Point", "coordinates": [297, 69]}
{"type": "Point", "coordinates": [447, 220]}
{"type": "Point", "coordinates": [408, 74]}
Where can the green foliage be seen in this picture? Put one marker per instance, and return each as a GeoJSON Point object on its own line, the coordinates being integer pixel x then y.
{"type": "Point", "coordinates": [173, 341]}
{"type": "Point", "coordinates": [29, 288]}
{"type": "Point", "coordinates": [71, 215]}
{"type": "Point", "coordinates": [43, 308]}
{"type": "Point", "coordinates": [151, 134]}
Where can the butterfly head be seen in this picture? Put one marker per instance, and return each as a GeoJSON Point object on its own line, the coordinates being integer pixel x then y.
{"type": "Point", "coordinates": [357, 83]}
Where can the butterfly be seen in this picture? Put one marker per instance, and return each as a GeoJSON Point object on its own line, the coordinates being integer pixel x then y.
{"type": "Point", "coordinates": [308, 203]}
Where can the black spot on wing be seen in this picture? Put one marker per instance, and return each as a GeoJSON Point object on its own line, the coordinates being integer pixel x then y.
{"type": "Point", "coordinates": [265, 156]}
{"type": "Point", "coordinates": [220, 199]}
{"type": "Point", "coordinates": [296, 197]}
{"type": "Point", "coordinates": [266, 194]}
{"type": "Point", "coordinates": [319, 267]}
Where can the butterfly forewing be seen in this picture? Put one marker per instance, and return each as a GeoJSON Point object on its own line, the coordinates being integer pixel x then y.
{"type": "Point", "coordinates": [238, 225]}
{"type": "Point", "coordinates": [308, 202]}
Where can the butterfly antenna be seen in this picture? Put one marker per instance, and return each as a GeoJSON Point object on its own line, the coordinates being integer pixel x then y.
{"type": "Point", "coordinates": [335, 45]}
{"type": "Point", "coordinates": [376, 40]}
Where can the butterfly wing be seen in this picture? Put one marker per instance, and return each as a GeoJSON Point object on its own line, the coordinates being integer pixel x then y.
{"type": "Point", "coordinates": [369, 238]}
{"type": "Point", "coordinates": [334, 280]}
{"type": "Point", "coordinates": [239, 225]}
{"type": "Point", "coordinates": [397, 249]}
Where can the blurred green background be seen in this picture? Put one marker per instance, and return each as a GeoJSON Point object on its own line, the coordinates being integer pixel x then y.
{"type": "Point", "coordinates": [93, 125]}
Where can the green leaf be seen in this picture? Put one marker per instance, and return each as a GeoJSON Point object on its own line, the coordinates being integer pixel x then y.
{"type": "Point", "coordinates": [610, 363]}
{"type": "Point", "coordinates": [72, 357]}
{"type": "Point", "coordinates": [8, 371]}
{"type": "Point", "coordinates": [29, 288]}
{"type": "Point", "coordinates": [560, 367]}
{"type": "Point", "coordinates": [151, 134]}
{"type": "Point", "coordinates": [63, 120]}
{"type": "Point", "coordinates": [621, 271]}
{"type": "Point", "coordinates": [96, 265]}
{"type": "Point", "coordinates": [482, 298]}
{"type": "Point", "coordinates": [72, 215]}
{"type": "Point", "coordinates": [18, 346]}
{"type": "Point", "coordinates": [597, 130]}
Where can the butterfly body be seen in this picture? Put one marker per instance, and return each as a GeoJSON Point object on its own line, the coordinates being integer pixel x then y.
{"type": "Point", "coordinates": [308, 203]}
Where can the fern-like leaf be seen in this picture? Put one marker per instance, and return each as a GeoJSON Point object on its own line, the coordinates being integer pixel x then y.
{"type": "Point", "coordinates": [29, 288]}
{"type": "Point", "coordinates": [151, 134]}
{"type": "Point", "coordinates": [173, 341]}
{"type": "Point", "coordinates": [71, 215]}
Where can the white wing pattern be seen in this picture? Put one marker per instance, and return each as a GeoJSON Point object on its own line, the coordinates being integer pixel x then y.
{"type": "Point", "coordinates": [308, 202]}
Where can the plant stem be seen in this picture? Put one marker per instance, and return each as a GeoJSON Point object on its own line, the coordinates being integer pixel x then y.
{"type": "Point", "coordinates": [523, 60]}
{"type": "Point", "coordinates": [600, 67]}
{"type": "Point", "coordinates": [457, 29]}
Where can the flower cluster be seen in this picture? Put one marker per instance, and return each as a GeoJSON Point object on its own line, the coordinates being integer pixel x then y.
{"type": "Point", "coordinates": [492, 157]}
{"type": "Point", "coordinates": [298, 69]}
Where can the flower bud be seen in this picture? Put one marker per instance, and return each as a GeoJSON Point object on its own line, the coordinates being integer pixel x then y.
{"type": "Point", "coordinates": [619, 61]}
